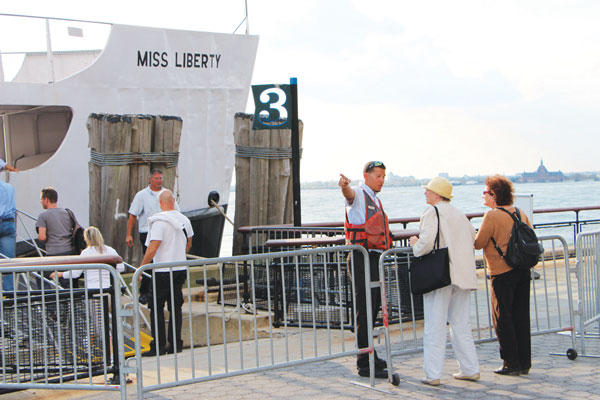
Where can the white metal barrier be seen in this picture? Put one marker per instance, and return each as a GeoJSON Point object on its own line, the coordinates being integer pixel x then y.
{"type": "Point", "coordinates": [588, 286]}
{"type": "Point", "coordinates": [53, 338]}
{"type": "Point", "coordinates": [221, 347]}
{"type": "Point", "coordinates": [551, 300]}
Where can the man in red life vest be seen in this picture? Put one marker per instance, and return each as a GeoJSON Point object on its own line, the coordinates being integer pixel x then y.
{"type": "Point", "coordinates": [367, 225]}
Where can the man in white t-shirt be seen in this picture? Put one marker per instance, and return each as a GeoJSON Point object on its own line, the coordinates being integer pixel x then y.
{"type": "Point", "coordinates": [144, 205]}
{"type": "Point", "coordinates": [169, 239]}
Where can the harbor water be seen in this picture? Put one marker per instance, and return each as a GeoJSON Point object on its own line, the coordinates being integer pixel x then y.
{"type": "Point", "coordinates": [327, 205]}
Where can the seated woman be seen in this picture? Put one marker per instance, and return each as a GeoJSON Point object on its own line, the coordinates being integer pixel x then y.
{"type": "Point", "coordinates": [94, 278]}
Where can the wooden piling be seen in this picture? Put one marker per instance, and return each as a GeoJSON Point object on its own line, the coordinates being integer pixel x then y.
{"type": "Point", "coordinates": [242, 125]}
{"type": "Point", "coordinates": [167, 136]}
{"type": "Point", "coordinates": [139, 173]}
{"type": "Point", "coordinates": [134, 144]}
{"type": "Point", "coordinates": [263, 180]}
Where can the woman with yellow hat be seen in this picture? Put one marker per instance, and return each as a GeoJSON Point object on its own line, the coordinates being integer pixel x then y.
{"type": "Point", "coordinates": [450, 304]}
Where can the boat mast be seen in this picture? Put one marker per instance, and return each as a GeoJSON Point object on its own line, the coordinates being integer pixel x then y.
{"type": "Point", "coordinates": [49, 52]}
{"type": "Point", "coordinates": [247, 23]}
{"type": "Point", "coordinates": [244, 20]}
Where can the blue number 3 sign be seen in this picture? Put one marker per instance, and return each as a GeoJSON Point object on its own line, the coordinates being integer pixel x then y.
{"type": "Point", "coordinates": [272, 106]}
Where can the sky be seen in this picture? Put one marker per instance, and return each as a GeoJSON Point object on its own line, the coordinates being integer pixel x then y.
{"type": "Point", "coordinates": [464, 87]}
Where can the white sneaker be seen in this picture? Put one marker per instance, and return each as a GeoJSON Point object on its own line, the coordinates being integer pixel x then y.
{"type": "Point", "coordinates": [431, 382]}
{"type": "Point", "coordinates": [464, 377]}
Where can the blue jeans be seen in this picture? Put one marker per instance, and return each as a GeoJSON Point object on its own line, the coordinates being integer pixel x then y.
{"type": "Point", "coordinates": [8, 237]}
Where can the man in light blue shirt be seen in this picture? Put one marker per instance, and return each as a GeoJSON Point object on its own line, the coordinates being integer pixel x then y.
{"type": "Point", "coordinates": [8, 232]}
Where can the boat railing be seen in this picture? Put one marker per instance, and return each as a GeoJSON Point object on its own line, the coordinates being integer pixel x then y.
{"type": "Point", "coordinates": [52, 37]}
{"type": "Point", "coordinates": [29, 240]}
{"type": "Point", "coordinates": [269, 238]}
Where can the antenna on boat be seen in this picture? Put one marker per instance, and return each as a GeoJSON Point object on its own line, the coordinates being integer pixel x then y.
{"type": "Point", "coordinates": [244, 20]}
{"type": "Point", "coordinates": [49, 52]}
{"type": "Point", "coordinates": [247, 22]}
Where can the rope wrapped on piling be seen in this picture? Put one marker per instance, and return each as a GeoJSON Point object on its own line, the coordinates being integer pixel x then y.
{"type": "Point", "coordinates": [170, 159]}
{"type": "Point", "coordinates": [265, 153]}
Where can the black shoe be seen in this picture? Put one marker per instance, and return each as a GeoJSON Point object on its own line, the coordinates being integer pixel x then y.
{"type": "Point", "coordinates": [152, 352]}
{"type": "Point", "coordinates": [379, 373]}
{"type": "Point", "coordinates": [508, 371]}
{"type": "Point", "coordinates": [169, 349]}
{"type": "Point", "coordinates": [115, 380]}
{"type": "Point", "coordinates": [380, 363]}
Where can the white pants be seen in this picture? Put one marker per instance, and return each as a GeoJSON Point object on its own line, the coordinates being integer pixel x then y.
{"type": "Point", "coordinates": [448, 304]}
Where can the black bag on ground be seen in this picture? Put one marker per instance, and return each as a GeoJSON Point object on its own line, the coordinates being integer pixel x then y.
{"type": "Point", "coordinates": [431, 271]}
{"type": "Point", "coordinates": [524, 249]}
{"type": "Point", "coordinates": [78, 243]}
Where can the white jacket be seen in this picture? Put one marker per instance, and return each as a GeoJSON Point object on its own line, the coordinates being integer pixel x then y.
{"type": "Point", "coordinates": [456, 233]}
{"type": "Point", "coordinates": [168, 227]}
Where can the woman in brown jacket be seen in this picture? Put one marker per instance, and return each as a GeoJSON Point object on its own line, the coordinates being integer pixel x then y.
{"type": "Point", "coordinates": [510, 287]}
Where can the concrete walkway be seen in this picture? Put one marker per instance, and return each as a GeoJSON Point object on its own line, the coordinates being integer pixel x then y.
{"type": "Point", "coordinates": [551, 377]}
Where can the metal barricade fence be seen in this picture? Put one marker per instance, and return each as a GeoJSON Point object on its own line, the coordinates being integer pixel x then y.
{"type": "Point", "coordinates": [53, 338]}
{"type": "Point", "coordinates": [551, 301]}
{"type": "Point", "coordinates": [331, 288]}
{"type": "Point", "coordinates": [257, 238]}
{"type": "Point", "coordinates": [219, 346]}
{"type": "Point", "coordinates": [588, 286]}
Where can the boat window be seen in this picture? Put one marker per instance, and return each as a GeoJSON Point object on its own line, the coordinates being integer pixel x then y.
{"type": "Point", "coordinates": [31, 134]}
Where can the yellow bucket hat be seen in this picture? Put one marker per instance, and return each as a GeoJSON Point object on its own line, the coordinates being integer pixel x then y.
{"type": "Point", "coordinates": [441, 186]}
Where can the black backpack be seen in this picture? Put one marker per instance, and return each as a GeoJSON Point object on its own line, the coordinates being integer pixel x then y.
{"type": "Point", "coordinates": [523, 251]}
{"type": "Point", "coordinates": [77, 241]}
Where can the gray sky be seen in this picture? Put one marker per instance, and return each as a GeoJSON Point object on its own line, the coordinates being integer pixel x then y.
{"type": "Point", "coordinates": [463, 87]}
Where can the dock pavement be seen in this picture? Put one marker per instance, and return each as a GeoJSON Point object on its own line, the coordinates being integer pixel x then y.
{"type": "Point", "coordinates": [551, 377]}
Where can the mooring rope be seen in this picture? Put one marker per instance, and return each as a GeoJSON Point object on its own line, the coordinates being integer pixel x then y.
{"type": "Point", "coordinates": [170, 159]}
{"type": "Point", "coordinates": [268, 153]}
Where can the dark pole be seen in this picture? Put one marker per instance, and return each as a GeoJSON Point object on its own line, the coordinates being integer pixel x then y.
{"type": "Point", "coordinates": [116, 291]}
{"type": "Point", "coordinates": [295, 152]}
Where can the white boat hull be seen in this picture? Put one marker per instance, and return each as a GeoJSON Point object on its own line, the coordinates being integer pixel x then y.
{"type": "Point", "coordinates": [204, 78]}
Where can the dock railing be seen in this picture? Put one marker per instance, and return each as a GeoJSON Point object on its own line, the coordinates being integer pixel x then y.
{"type": "Point", "coordinates": [240, 338]}
{"type": "Point", "coordinates": [225, 341]}
{"type": "Point", "coordinates": [221, 346]}
{"type": "Point", "coordinates": [53, 338]}
{"type": "Point", "coordinates": [332, 233]}
{"type": "Point", "coordinates": [551, 299]}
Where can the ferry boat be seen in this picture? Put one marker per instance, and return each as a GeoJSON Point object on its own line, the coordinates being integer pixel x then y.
{"type": "Point", "coordinates": [198, 78]}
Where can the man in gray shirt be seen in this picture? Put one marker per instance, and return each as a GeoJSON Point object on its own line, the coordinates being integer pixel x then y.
{"type": "Point", "coordinates": [55, 227]}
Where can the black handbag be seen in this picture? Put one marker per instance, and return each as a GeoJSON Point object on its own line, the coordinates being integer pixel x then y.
{"type": "Point", "coordinates": [431, 271]}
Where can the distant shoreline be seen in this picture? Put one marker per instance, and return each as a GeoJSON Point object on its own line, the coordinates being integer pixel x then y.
{"type": "Point", "coordinates": [407, 181]}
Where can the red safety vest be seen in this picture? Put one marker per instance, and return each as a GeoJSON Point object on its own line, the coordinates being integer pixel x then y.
{"type": "Point", "coordinates": [374, 233]}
